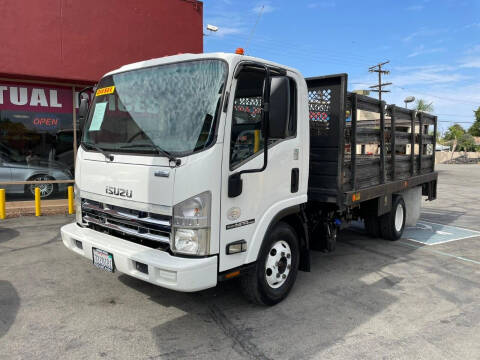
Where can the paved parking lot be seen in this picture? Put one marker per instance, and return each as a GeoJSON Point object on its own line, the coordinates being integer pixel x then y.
{"type": "Point", "coordinates": [369, 299]}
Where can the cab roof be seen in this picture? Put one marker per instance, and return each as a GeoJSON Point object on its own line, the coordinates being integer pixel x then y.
{"type": "Point", "coordinates": [230, 58]}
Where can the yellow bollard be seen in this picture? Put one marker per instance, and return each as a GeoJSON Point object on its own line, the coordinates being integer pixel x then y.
{"type": "Point", "coordinates": [71, 208]}
{"type": "Point", "coordinates": [37, 202]}
{"type": "Point", "coordinates": [2, 204]}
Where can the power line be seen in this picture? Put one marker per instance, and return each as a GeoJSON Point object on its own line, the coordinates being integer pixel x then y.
{"type": "Point", "coordinates": [284, 49]}
{"type": "Point", "coordinates": [254, 27]}
{"type": "Point", "coordinates": [438, 97]}
{"type": "Point", "coordinates": [284, 46]}
{"type": "Point", "coordinates": [469, 116]}
{"type": "Point", "coordinates": [455, 122]}
{"type": "Point", "coordinates": [299, 54]}
{"type": "Point", "coordinates": [378, 88]}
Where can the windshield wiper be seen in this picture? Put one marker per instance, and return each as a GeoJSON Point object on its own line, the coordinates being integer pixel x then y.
{"type": "Point", "coordinates": [160, 151]}
{"type": "Point", "coordinates": [99, 149]}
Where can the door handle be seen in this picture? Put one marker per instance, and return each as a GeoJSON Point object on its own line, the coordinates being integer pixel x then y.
{"type": "Point", "coordinates": [294, 180]}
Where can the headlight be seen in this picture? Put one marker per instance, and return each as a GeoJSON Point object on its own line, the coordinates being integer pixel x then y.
{"type": "Point", "coordinates": [191, 225]}
{"type": "Point", "coordinates": [78, 205]}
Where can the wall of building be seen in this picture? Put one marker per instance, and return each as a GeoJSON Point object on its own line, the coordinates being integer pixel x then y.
{"type": "Point", "coordinates": [445, 156]}
{"type": "Point", "coordinates": [79, 41]}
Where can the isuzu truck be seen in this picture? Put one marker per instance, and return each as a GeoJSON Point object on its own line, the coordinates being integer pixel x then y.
{"type": "Point", "coordinates": [199, 168]}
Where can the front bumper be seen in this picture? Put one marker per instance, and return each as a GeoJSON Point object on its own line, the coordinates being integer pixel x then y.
{"type": "Point", "coordinates": [176, 273]}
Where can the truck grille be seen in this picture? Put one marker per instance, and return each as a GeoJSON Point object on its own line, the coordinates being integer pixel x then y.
{"type": "Point", "coordinates": [141, 227]}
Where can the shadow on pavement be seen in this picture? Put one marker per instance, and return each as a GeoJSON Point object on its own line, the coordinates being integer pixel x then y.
{"type": "Point", "coordinates": [336, 297]}
{"type": "Point", "coordinates": [441, 216]}
{"type": "Point", "coordinates": [7, 234]}
{"type": "Point", "coordinates": [9, 304]}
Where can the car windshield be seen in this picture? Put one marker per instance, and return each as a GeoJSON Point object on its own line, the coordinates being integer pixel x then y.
{"type": "Point", "coordinates": [166, 109]}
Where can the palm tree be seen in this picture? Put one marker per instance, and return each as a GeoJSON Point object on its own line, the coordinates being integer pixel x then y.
{"type": "Point", "coordinates": [422, 105]}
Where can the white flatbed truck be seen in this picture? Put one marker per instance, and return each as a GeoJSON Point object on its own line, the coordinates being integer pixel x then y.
{"type": "Point", "coordinates": [198, 168]}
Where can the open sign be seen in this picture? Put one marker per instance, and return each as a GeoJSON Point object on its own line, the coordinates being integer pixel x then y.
{"type": "Point", "coordinates": [45, 122]}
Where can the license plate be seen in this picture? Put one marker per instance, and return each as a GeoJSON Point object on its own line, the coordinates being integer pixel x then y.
{"type": "Point", "coordinates": [103, 260]}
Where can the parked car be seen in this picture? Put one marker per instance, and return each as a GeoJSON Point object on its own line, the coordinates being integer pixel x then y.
{"type": "Point", "coordinates": [439, 147]}
{"type": "Point", "coordinates": [32, 169]}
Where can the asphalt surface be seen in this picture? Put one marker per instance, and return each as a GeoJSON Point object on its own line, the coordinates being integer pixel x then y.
{"type": "Point", "coordinates": [371, 299]}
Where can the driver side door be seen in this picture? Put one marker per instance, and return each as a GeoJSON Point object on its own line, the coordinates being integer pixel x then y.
{"type": "Point", "coordinates": [243, 216]}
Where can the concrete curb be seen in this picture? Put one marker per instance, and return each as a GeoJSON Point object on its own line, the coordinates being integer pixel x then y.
{"type": "Point", "coordinates": [27, 208]}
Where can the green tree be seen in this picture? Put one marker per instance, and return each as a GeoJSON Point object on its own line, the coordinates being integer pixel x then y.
{"type": "Point", "coordinates": [422, 105]}
{"type": "Point", "coordinates": [474, 130]}
{"type": "Point", "coordinates": [454, 132]}
{"type": "Point", "coordinates": [466, 142]}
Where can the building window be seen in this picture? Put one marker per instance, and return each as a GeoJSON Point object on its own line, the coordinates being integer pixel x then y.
{"type": "Point", "coordinates": [36, 138]}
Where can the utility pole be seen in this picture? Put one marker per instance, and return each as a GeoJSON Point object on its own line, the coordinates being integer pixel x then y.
{"type": "Point", "coordinates": [378, 88]}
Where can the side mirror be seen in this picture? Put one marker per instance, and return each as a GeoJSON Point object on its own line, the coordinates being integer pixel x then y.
{"type": "Point", "coordinates": [279, 109]}
{"type": "Point", "coordinates": [82, 113]}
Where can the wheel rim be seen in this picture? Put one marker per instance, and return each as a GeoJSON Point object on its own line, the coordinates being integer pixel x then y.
{"type": "Point", "coordinates": [45, 189]}
{"type": "Point", "coordinates": [399, 218]}
{"type": "Point", "coordinates": [278, 264]}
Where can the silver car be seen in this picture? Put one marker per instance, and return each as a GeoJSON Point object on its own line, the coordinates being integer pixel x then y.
{"type": "Point", "coordinates": [14, 168]}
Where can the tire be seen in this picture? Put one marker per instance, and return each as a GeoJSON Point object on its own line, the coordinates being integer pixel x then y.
{"type": "Point", "coordinates": [46, 190]}
{"type": "Point", "coordinates": [392, 224]}
{"type": "Point", "coordinates": [275, 272]}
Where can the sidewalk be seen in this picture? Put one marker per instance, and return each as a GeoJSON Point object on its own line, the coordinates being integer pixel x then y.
{"type": "Point", "coordinates": [27, 208]}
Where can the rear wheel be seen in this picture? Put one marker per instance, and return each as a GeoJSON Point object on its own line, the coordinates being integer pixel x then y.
{"type": "Point", "coordinates": [275, 271]}
{"type": "Point", "coordinates": [392, 224]}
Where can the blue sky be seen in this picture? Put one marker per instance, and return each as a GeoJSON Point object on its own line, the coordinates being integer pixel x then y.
{"type": "Point", "coordinates": [433, 45]}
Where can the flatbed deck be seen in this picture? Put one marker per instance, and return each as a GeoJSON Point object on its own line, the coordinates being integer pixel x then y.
{"type": "Point", "coordinates": [361, 148]}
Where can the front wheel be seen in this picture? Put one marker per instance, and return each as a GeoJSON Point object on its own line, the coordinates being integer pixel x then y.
{"type": "Point", "coordinates": [275, 271]}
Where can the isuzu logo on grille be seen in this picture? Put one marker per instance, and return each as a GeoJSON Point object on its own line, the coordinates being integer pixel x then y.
{"type": "Point", "coordinates": [112, 190]}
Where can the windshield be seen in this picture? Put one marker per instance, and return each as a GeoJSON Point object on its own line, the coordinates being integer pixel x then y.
{"type": "Point", "coordinates": [166, 109]}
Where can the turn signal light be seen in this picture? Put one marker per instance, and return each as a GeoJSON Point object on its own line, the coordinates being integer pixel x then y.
{"type": "Point", "coordinates": [236, 247]}
{"type": "Point", "coordinates": [232, 274]}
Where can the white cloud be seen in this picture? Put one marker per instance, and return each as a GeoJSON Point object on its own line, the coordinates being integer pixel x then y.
{"type": "Point", "coordinates": [425, 68]}
{"type": "Point", "coordinates": [225, 30]}
{"type": "Point", "coordinates": [426, 75]}
{"type": "Point", "coordinates": [471, 63]}
{"type": "Point", "coordinates": [421, 50]}
{"type": "Point", "coordinates": [228, 22]}
{"type": "Point", "coordinates": [423, 32]}
{"type": "Point", "coordinates": [266, 8]}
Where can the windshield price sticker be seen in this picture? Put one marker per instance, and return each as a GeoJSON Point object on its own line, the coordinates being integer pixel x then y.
{"type": "Point", "coordinates": [97, 117]}
{"type": "Point", "coordinates": [105, 91]}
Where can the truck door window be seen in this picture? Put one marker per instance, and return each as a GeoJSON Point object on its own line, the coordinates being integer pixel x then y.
{"type": "Point", "coordinates": [246, 136]}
